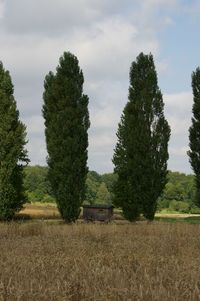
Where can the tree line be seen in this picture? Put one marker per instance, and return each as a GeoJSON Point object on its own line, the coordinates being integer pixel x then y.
{"type": "Point", "coordinates": [178, 195]}
{"type": "Point", "coordinates": [140, 156]}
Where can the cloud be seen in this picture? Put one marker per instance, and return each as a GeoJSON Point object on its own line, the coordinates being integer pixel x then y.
{"type": "Point", "coordinates": [181, 151]}
{"type": "Point", "coordinates": [35, 124]}
{"type": "Point", "coordinates": [46, 17]}
{"type": "Point", "coordinates": [178, 111]}
{"type": "Point", "coordinates": [37, 150]}
{"type": "Point", "coordinates": [106, 36]}
{"type": "Point", "coordinates": [104, 57]}
{"type": "Point", "coordinates": [154, 14]}
{"type": "Point", "coordinates": [193, 8]}
{"type": "Point", "coordinates": [1, 9]}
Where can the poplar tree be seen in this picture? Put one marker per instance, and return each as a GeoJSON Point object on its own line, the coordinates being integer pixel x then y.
{"type": "Point", "coordinates": [141, 152]}
{"type": "Point", "coordinates": [66, 117]}
{"type": "Point", "coordinates": [194, 133]}
{"type": "Point", "coordinates": [13, 155]}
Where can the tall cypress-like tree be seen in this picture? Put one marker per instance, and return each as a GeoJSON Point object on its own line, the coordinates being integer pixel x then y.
{"type": "Point", "coordinates": [66, 117]}
{"type": "Point", "coordinates": [13, 155]}
{"type": "Point", "coordinates": [194, 133]}
{"type": "Point", "coordinates": [141, 152]}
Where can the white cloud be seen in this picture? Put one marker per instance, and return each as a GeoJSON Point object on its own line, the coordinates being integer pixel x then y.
{"type": "Point", "coordinates": [35, 125]}
{"type": "Point", "coordinates": [168, 21]}
{"type": "Point", "coordinates": [98, 143]}
{"type": "Point", "coordinates": [182, 100]}
{"type": "Point", "coordinates": [192, 8]}
{"type": "Point", "coordinates": [156, 3]}
{"type": "Point", "coordinates": [162, 67]}
{"type": "Point", "coordinates": [154, 14]}
{"type": "Point", "coordinates": [105, 118]}
{"type": "Point", "coordinates": [106, 36]}
{"type": "Point", "coordinates": [1, 9]}
{"type": "Point", "coordinates": [46, 16]}
{"type": "Point", "coordinates": [178, 110]}
{"type": "Point", "coordinates": [37, 150]}
{"type": "Point", "coordinates": [179, 151]}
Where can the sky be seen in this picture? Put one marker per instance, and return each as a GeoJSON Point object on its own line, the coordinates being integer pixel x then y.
{"type": "Point", "coordinates": [106, 36]}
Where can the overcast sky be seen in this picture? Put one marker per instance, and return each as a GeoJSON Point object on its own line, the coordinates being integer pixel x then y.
{"type": "Point", "coordinates": [106, 36]}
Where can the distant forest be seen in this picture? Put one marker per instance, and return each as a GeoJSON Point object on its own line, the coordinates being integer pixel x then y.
{"type": "Point", "coordinates": [179, 193]}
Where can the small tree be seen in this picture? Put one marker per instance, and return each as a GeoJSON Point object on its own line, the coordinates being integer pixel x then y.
{"type": "Point", "coordinates": [194, 133]}
{"type": "Point", "coordinates": [66, 117]}
{"type": "Point", "coordinates": [141, 152]}
{"type": "Point", "coordinates": [103, 195]}
{"type": "Point", "coordinates": [13, 156]}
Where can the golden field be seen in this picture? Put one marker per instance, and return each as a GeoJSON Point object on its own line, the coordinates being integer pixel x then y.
{"type": "Point", "coordinates": [50, 211]}
{"type": "Point", "coordinates": [40, 211]}
{"type": "Point", "coordinates": [140, 261]}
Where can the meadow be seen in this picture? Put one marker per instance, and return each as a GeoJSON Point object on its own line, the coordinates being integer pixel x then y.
{"type": "Point", "coordinates": [42, 211]}
{"type": "Point", "coordinates": [49, 260]}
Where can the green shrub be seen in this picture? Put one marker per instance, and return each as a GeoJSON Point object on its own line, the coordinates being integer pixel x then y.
{"type": "Point", "coordinates": [180, 206]}
{"type": "Point", "coordinates": [48, 199]}
{"type": "Point", "coordinates": [195, 210]}
{"type": "Point", "coordinates": [183, 207]}
{"type": "Point", "coordinates": [34, 196]}
{"type": "Point", "coordinates": [173, 205]}
{"type": "Point", "coordinates": [162, 204]}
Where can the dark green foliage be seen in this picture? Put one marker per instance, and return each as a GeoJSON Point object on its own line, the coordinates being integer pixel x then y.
{"type": "Point", "coordinates": [99, 188]}
{"type": "Point", "coordinates": [66, 117]}
{"type": "Point", "coordinates": [13, 156]}
{"type": "Point", "coordinates": [195, 210]}
{"type": "Point", "coordinates": [180, 187]}
{"type": "Point", "coordinates": [180, 206]}
{"type": "Point", "coordinates": [93, 182]}
{"type": "Point", "coordinates": [95, 176]}
{"type": "Point", "coordinates": [194, 133]}
{"type": "Point", "coordinates": [103, 195]}
{"type": "Point", "coordinates": [36, 178]}
{"type": "Point", "coordinates": [141, 152]}
{"type": "Point", "coordinates": [109, 179]}
{"type": "Point", "coordinates": [37, 185]}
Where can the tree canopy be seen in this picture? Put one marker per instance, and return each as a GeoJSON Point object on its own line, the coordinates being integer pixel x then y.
{"type": "Point", "coordinates": [179, 188]}
{"type": "Point", "coordinates": [194, 133]}
{"type": "Point", "coordinates": [66, 117]}
{"type": "Point", "coordinates": [141, 151]}
{"type": "Point", "coordinates": [13, 155]}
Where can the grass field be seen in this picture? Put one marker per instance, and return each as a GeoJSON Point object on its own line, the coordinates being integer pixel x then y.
{"type": "Point", "coordinates": [40, 211]}
{"type": "Point", "coordinates": [49, 211]}
{"type": "Point", "coordinates": [158, 261]}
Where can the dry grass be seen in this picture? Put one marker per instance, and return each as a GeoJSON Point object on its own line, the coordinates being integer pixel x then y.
{"type": "Point", "coordinates": [176, 215]}
{"type": "Point", "coordinates": [158, 261]}
{"type": "Point", "coordinates": [44, 211]}
{"type": "Point", "coordinates": [40, 211]}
